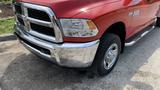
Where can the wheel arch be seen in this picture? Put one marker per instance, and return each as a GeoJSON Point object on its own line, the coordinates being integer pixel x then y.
{"type": "Point", "coordinates": [118, 28]}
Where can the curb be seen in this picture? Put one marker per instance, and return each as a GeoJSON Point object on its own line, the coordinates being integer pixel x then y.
{"type": "Point", "coordinates": [6, 18]}
{"type": "Point", "coordinates": [7, 37]}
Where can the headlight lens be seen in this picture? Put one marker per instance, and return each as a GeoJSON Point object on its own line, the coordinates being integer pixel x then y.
{"type": "Point", "coordinates": [78, 28]}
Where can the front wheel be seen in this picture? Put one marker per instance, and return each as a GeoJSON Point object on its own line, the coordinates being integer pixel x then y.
{"type": "Point", "coordinates": [107, 54]}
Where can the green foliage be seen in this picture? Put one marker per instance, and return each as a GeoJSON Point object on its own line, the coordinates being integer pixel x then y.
{"type": "Point", "coordinates": [6, 1]}
{"type": "Point", "coordinates": [6, 26]}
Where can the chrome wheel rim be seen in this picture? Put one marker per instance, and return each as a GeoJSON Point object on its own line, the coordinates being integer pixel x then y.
{"type": "Point", "coordinates": [111, 56]}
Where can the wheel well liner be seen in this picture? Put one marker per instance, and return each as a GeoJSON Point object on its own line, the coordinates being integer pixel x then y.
{"type": "Point", "coordinates": [119, 29]}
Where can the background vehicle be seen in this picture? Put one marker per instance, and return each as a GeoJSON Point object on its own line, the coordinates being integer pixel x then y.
{"type": "Point", "coordinates": [83, 33]}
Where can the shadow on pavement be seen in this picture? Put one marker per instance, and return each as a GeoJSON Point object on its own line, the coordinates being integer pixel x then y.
{"type": "Point", "coordinates": [7, 38]}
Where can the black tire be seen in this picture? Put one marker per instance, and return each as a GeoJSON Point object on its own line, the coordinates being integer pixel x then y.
{"type": "Point", "coordinates": [158, 22]}
{"type": "Point", "coordinates": [106, 41]}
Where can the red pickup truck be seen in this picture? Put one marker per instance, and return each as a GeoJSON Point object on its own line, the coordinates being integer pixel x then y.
{"type": "Point", "coordinates": [83, 33]}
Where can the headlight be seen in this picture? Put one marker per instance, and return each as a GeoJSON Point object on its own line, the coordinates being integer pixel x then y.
{"type": "Point", "coordinates": [78, 28]}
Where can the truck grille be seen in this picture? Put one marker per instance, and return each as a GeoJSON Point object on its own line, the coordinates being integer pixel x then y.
{"type": "Point", "coordinates": [38, 21]}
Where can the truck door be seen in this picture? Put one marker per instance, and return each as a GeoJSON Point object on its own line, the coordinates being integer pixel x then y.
{"type": "Point", "coordinates": [151, 9]}
{"type": "Point", "coordinates": [143, 14]}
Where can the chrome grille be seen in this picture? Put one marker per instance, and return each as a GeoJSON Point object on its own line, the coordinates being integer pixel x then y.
{"type": "Point", "coordinates": [38, 21]}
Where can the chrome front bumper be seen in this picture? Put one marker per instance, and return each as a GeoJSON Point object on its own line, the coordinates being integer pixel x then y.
{"type": "Point", "coordinates": [76, 55]}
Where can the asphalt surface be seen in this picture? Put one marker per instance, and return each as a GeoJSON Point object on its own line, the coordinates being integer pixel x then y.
{"type": "Point", "coordinates": [137, 69]}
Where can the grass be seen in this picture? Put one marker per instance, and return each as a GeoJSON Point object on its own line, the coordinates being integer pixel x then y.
{"type": "Point", "coordinates": [6, 1]}
{"type": "Point", "coordinates": [6, 26]}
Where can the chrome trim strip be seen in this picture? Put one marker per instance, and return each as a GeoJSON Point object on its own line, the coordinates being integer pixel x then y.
{"type": "Point", "coordinates": [40, 8]}
{"type": "Point", "coordinates": [36, 21]}
{"type": "Point", "coordinates": [40, 22]}
{"type": "Point", "coordinates": [39, 35]}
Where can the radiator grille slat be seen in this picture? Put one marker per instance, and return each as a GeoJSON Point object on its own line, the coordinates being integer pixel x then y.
{"type": "Point", "coordinates": [40, 22]}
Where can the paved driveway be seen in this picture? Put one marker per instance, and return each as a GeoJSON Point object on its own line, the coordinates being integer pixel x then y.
{"type": "Point", "coordinates": [137, 69]}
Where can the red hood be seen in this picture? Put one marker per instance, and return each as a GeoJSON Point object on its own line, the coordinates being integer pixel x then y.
{"type": "Point", "coordinates": [69, 8]}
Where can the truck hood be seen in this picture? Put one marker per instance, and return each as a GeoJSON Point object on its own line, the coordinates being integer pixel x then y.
{"type": "Point", "coordinates": [69, 8]}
